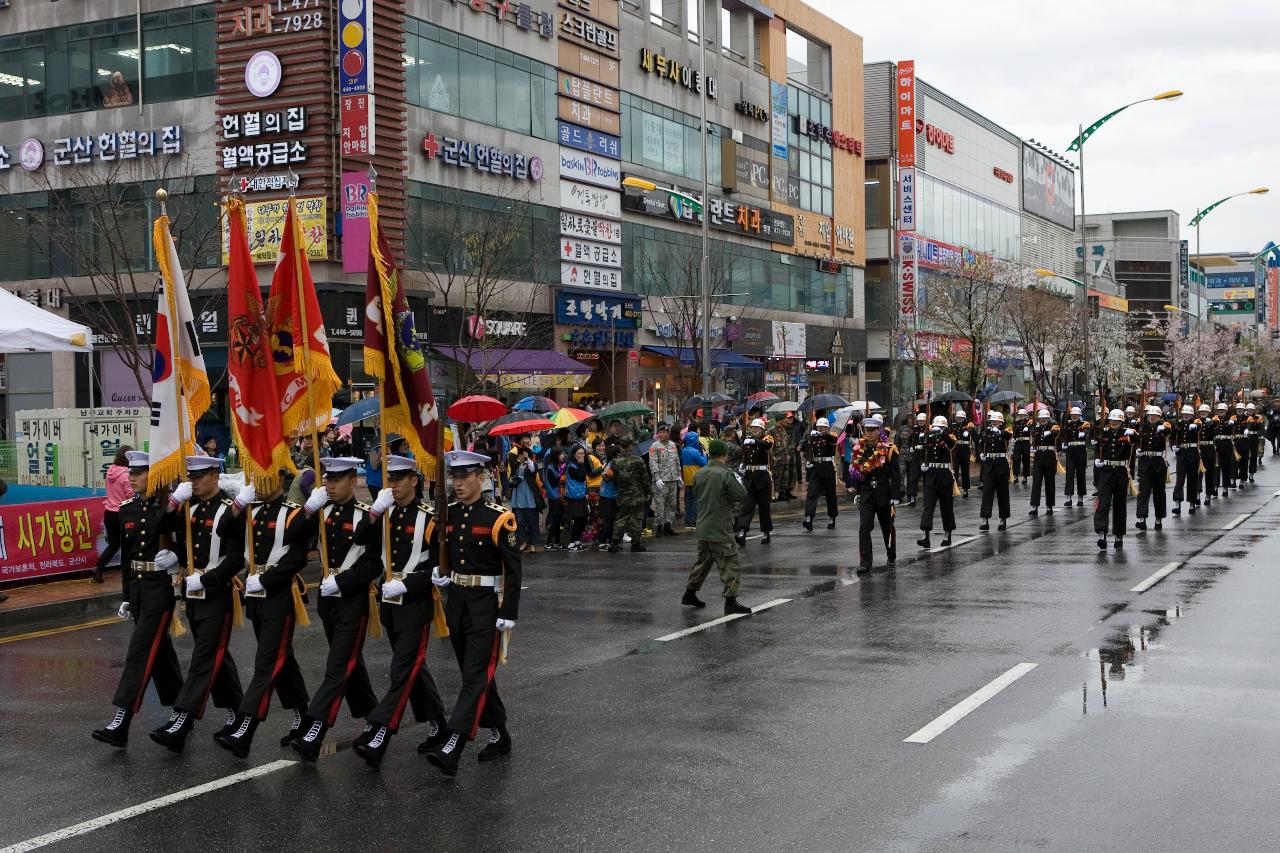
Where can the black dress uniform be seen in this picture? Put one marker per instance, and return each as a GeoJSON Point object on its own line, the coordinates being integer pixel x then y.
{"type": "Point", "coordinates": [408, 626]}
{"type": "Point", "coordinates": [217, 553]}
{"type": "Point", "coordinates": [911, 461]}
{"type": "Point", "coordinates": [1073, 444]}
{"type": "Point", "coordinates": [935, 466]}
{"type": "Point", "coordinates": [345, 617]}
{"type": "Point", "coordinates": [1044, 463]}
{"type": "Point", "coordinates": [1273, 429]}
{"type": "Point", "coordinates": [1209, 456]}
{"type": "Point", "coordinates": [964, 433]}
{"type": "Point", "coordinates": [1224, 437]}
{"type": "Point", "coordinates": [1185, 438]}
{"type": "Point", "coordinates": [1022, 449]}
{"type": "Point", "coordinates": [1151, 441]}
{"type": "Point", "coordinates": [280, 546]}
{"type": "Point", "coordinates": [879, 484]}
{"type": "Point", "coordinates": [757, 481]}
{"type": "Point", "coordinates": [149, 593]}
{"type": "Point", "coordinates": [820, 464]}
{"type": "Point", "coordinates": [1247, 446]}
{"type": "Point", "coordinates": [1114, 447]}
{"type": "Point", "coordinates": [993, 448]}
{"type": "Point", "coordinates": [481, 556]}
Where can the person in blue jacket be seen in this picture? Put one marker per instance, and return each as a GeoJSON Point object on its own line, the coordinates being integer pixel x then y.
{"type": "Point", "coordinates": [552, 483]}
{"type": "Point", "coordinates": [692, 459]}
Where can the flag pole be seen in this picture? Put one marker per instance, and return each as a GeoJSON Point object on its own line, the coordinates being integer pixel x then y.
{"type": "Point", "coordinates": [306, 362]}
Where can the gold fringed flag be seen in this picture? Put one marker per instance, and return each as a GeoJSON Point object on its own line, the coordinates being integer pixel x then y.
{"type": "Point", "coordinates": [293, 300]}
{"type": "Point", "coordinates": [393, 353]}
{"type": "Point", "coordinates": [179, 384]}
{"type": "Point", "coordinates": [252, 392]}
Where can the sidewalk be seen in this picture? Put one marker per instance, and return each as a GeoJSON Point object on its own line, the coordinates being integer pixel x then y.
{"type": "Point", "coordinates": [59, 603]}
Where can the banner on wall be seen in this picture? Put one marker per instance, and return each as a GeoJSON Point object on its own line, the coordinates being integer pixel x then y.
{"type": "Point", "coordinates": [48, 538]}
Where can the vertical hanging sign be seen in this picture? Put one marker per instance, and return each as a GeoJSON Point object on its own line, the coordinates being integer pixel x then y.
{"type": "Point", "coordinates": [905, 123]}
{"type": "Point", "coordinates": [355, 77]}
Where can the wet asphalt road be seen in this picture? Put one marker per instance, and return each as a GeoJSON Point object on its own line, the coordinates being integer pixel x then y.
{"type": "Point", "coordinates": [1146, 723]}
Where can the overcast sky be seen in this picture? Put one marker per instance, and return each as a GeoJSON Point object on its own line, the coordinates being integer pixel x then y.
{"type": "Point", "coordinates": [1040, 69]}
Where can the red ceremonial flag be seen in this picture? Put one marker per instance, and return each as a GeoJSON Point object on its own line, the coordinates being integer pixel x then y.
{"type": "Point", "coordinates": [293, 298]}
{"type": "Point", "coordinates": [393, 354]}
{"type": "Point", "coordinates": [252, 391]}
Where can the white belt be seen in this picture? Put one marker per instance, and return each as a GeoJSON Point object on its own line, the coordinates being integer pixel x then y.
{"type": "Point", "coordinates": [756, 467]}
{"type": "Point", "coordinates": [823, 458]}
{"type": "Point", "coordinates": [1112, 464]}
{"type": "Point", "coordinates": [1151, 453]}
{"type": "Point", "coordinates": [944, 465]}
{"type": "Point", "coordinates": [1076, 443]}
{"type": "Point", "coordinates": [494, 581]}
{"type": "Point", "coordinates": [987, 457]}
{"type": "Point", "coordinates": [144, 566]}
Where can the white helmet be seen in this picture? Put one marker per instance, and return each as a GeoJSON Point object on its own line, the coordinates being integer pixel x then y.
{"type": "Point", "coordinates": [1042, 413]}
{"type": "Point", "coordinates": [823, 422]}
{"type": "Point", "coordinates": [1129, 410]}
{"type": "Point", "coordinates": [959, 415]}
{"type": "Point", "coordinates": [1115, 415]}
{"type": "Point", "coordinates": [1221, 407]}
{"type": "Point", "coordinates": [1204, 407]}
{"type": "Point", "coordinates": [758, 422]}
{"type": "Point", "coordinates": [921, 417]}
{"type": "Point", "coordinates": [1239, 405]}
{"type": "Point", "coordinates": [997, 417]}
{"type": "Point", "coordinates": [1250, 408]}
{"type": "Point", "coordinates": [939, 421]}
{"type": "Point", "coordinates": [1152, 410]}
{"type": "Point", "coordinates": [1187, 410]}
{"type": "Point", "coordinates": [1075, 410]}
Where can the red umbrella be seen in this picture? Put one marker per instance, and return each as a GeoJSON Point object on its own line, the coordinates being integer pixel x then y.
{"type": "Point", "coordinates": [520, 427]}
{"type": "Point", "coordinates": [762, 395]}
{"type": "Point", "coordinates": [477, 408]}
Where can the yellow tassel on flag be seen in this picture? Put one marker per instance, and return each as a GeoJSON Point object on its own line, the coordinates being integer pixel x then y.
{"type": "Point", "coordinates": [502, 647]}
{"type": "Point", "coordinates": [1061, 470]}
{"type": "Point", "coordinates": [439, 627]}
{"type": "Point", "coordinates": [176, 628]}
{"type": "Point", "coordinates": [375, 623]}
{"type": "Point", "coordinates": [1202, 466]}
{"type": "Point", "coordinates": [955, 489]}
{"type": "Point", "coordinates": [1133, 487]}
{"type": "Point", "coordinates": [237, 609]}
{"type": "Point", "coordinates": [299, 607]}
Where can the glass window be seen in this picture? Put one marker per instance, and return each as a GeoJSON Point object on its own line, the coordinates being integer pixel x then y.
{"type": "Point", "coordinates": [37, 85]}
{"type": "Point", "coordinates": [168, 63]}
{"type": "Point", "coordinates": [80, 71]}
{"type": "Point", "coordinates": [412, 69]}
{"type": "Point", "coordinates": [438, 86]}
{"type": "Point", "coordinates": [13, 77]}
{"type": "Point", "coordinates": [513, 99]}
{"type": "Point", "coordinates": [542, 94]}
{"type": "Point", "coordinates": [115, 70]}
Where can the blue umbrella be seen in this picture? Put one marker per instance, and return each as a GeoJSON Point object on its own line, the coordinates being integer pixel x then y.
{"type": "Point", "coordinates": [358, 411]}
{"type": "Point", "coordinates": [542, 405]}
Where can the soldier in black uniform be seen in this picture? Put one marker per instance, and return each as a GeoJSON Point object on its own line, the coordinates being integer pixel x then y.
{"type": "Point", "coordinates": [1273, 428]}
{"type": "Point", "coordinates": [208, 585]}
{"type": "Point", "coordinates": [408, 603]}
{"type": "Point", "coordinates": [1114, 443]}
{"type": "Point", "coordinates": [993, 455]}
{"type": "Point", "coordinates": [911, 456]}
{"type": "Point", "coordinates": [344, 602]}
{"type": "Point", "coordinates": [146, 574]}
{"type": "Point", "coordinates": [1044, 461]}
{"type": "Point", "coordinates": [879, 483]}
{"type": "Point", "coordinates": [1224, 437]}
{"type": "Point", "coordinates": [1073, 444]}
{"type": "Point", "coordinates": [1152, 440]}
{"type": "Point", "coordinates": [280, 543]}
{"type": "Point", "coordinates": [819, 449]}
{"type": "Point", "coordinates": [1185, 439]}
{"type": "Point", "coordinates": [935, 465]}
{"type": "Point", "coordinates": [757, 449]}
{"type": "Point", "coordinates": [1247, 446]}
{"type": "Point", "coordinates": [1208, 453]}
{"type": "Point", "coordinates": [480, 565]}
{"type": "Point", "coordinates": [964, 433]}
{"type": "Point", "coordinates": [1021, 446]}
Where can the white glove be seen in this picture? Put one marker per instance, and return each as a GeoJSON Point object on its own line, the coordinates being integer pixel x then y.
{"type": "Point", "coordinates": [1160, 428]}
{"type": "Point", "coordinates": [1246, 432]}
{"type": "Point", "coordinates": [808, 465]}
{"type": "Point", "coordinates": [936, 431]}
{"type": "Point", "coordinates": [1097, 463]}
{"type": "Point", "coordinates": [382, 502]}
{"type": "Point", "coordinates": [658, 484]}
{"type": "Point", "coordinates": [1130, 432]}
{"type": "Point", "coordinates": [813, 432]}
{"type": "Point", "coordinates": [123, 612]}
{"type": "Point", "coordinates": [194, 584]}
{"type": "Point", "coordinates": [167, 560]}
{"type": "Point", "coordinates": [924, 468]}
{"type": "Point", "coordinates": [1080, 435]}
{"type": "Point", "coordinates": [747, 441]}
{"type": "Point", "coordinates": [247, 495]}
{"type": "Point", "coordinates": [319, 497]}
{"type": "Point", "coordinates": [893, 503]}
{"type": "Point", "coordinates": [394, 588]}
{"type": "Point", "coordinates": [506, 624]}
{"type": "Point", "coordinates": [253, 584]}
{"type": "Point", "coordinates": [329, 586]}
{"type": "Point", "coordinates": [182, 492]}
{"type": "Point", "coordinates": [438, 579]}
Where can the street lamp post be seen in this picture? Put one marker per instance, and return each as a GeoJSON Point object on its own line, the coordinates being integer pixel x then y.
{"type": "Point", "coordinates": [1077, 145]}
{"type": "Point", "coordinates": [1201, 214]}
{"type": "Point", "coordinates": [1046, 273]}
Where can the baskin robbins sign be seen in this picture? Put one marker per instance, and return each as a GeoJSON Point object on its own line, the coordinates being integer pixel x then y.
{"type": "Point", "coordinates": [580, 166]}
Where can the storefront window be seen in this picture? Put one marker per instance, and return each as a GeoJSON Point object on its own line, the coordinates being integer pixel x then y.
{"type": "Point", "coordinates": [954, 216]}
{"type": "Point", "coordinates": [661, 138]}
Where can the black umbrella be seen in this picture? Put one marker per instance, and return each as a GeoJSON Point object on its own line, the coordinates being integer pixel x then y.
{"type": "Point", "coordinates": [1005, 397]}
{"type": "Point", "coordinates": [954, 397]}
{"type": "Point", "coordinates": [710, 401]}
{"type": "Point", "coordinates": [823, 401]}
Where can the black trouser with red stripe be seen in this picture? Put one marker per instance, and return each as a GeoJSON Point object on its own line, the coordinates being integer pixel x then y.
{"type": "Point", "coordinates": [408, 628]}
{"type": "Point", "coordinates": [151, 655]}
{"type": "Point", "coordinates": [472, 613]}
{"type": "Point", "coordinates": [1044, 469]}
{"type": "Point", "coordinates": [274, 666]}
{"type": "Point", "coordinates": [212, 670]}
{"type": "Point", "coordinates": [345, 618]}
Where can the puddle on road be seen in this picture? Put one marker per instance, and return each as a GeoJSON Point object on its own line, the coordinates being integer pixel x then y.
{"type": "Point", "coordinates": [1121, 659]}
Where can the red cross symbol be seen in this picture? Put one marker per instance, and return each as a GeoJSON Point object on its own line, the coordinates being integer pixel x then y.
{"type": "Point", "coordinates": [430, 147]}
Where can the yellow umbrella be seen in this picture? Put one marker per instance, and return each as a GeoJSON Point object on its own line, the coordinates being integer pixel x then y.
{"type": "Point", "coordinates": [568, 417]}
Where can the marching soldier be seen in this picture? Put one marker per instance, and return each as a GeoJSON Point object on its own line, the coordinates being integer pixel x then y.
{"type": "Point", "coordinates": [1132, 421]}
{"type": "Point", "coordinates": [1185, 439]}
{"type": "Point", "coordinates": [879, 483]}
{"type": "Point", "coordinates": [993, 454]}
{"type": "Point", "coordinates": [631, 476]}
{"type": "Point", "coordinates": [910, 452]}
{"type": "Point", "coordinates": [344, 602]}
{"type": "Point", "coordinates": [1152, 439]}
{"type": "Point", "coordinates": [1243, 446]}
{"type": "Point", "coordinates": [1073, 444]}
{"type": "Point", "coordinates": [1021, 446]}
{"type": "Point", "coordinates": [1114, 442]}
{"type": "Point", "coordinates": [1224, 436]}
{"type": "Point", "coordinates": [819, 450]}
{"type": "Point", "coordinates": [939, 483]}
{"type": "Point", "coordinates": [964, 432]}
{"type": "Point", "coordinates": [146, 571]}
{"type": "Point", "coordinates": [1208, 452]}
{"type": "Point", "coordinates": [279, 553]}
{"type": "Point", "coordinates": [1252, 434]}
{"type": "Point", "coordinates": [781, 447]}
{"type": "Point", "coordinates": [718, 491]}
{"type": "Point", "coordinates": [757, 449]}
{"type": "Point", "coordinates": [1044, 461]}
{"type": "Point", "coordinates": [406, 610]}
{"type": "Point", "coordinates": [1273, 428]}
{"type": "Point", "coordinates": [217, 551]}
{"type": "Point", "coordinates": [480, 565]}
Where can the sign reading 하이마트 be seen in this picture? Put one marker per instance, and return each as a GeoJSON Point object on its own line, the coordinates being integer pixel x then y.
{"type": "Point", "coordinates": [905, 112]}
{"type": "Point", "coordinates": [264, 221]}
{"type": "Point", "coordinates": [49, 538]}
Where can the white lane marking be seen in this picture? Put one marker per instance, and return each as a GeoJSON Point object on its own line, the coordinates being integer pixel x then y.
{"type": "Point", "coordinates": [1235, 522]}
{"type": "Point", "coordinates": [142, 808]}
{"type": "Point", "coordinates": [1166, 570]}
{"type": "Point", "coordinates": [969, 704]}
{"type": "Point", "coordinates": [1276, 495]}
{"type": "Point", "coordinates": [848, 581]}
{"type": "Point", "coordinates": [714, 622]}
{"type": "Point", "coordinates": [955, 544]}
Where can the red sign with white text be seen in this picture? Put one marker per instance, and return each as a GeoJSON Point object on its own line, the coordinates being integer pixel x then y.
{"type": "Point", "coordinates": [905, 112]}
{"type": "Point", "coordinates": [1273, 298]}
{"type": "Point", "coordinates": [49, 538]}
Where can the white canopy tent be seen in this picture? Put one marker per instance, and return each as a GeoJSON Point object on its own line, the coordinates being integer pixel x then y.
{"type": "Point", "coordinates": [27, 328]}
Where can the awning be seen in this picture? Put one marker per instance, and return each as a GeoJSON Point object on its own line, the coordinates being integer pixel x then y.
{"type": "Point", "coordinates": [520, 368]}
{"type": "Point", "coordinates": [690, 355]}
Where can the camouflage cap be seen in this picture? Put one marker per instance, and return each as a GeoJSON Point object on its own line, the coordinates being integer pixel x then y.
{"type": "Point", "coordinates": [717, 448]}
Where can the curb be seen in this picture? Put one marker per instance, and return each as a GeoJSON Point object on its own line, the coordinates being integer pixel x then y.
{"type": "Point", "coordinates": [58, 614]}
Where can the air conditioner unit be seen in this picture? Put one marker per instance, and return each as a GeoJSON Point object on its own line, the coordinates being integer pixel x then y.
{"type": "Point", "coordinates": [53, 297]}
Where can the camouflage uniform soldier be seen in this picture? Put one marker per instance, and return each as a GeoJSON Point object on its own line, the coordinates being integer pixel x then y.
{"type": "Point", "coordinates": [780, 461]}
{"type": "Point", "coordinates": [632, 478]}
{"type": "Point", "coordinates": [718, 491]}
{"type": "Point", "coordinates": [664, 465]}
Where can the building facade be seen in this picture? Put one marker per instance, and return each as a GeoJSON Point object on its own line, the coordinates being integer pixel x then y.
{"type": "Point", "coordinates": [498, 137]}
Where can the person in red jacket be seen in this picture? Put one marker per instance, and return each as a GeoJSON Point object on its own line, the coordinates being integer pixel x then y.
{"type": "Point", "coordinates": [118, 490]}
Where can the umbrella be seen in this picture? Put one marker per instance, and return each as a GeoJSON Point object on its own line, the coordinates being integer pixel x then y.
{"type": "Point", "coordinates": [625, 409]}
{"type": "Point", "coordinates": [954, 397]}
{"type": "Point", "coordinates": [865, 406]}
{"type": "Point", "coordinates": [823, 401]}
{"type": "Point", "coordinates": [1257, 394]}
{"type": "Point", "coordinates": [711, 401]}
{"type": "Point", "coordinates": [782, 407]}
{"type": "Point", "coordinates": [476, 409]}
{"type": "Point", "coordinates": [568, 417]}
{"type": "Point", "coordinates": [643, 447]}
{"type": "Point", "coordinates": [762, 395]}
{"type": "Point", "coordinates": [519, 423]}
{"type": "Point", "coordinates": [1036, 406]}
{"type": "Point", "coordinates": [1005, 397]}
{"type": "Point", "coordinates": [841, 417]}
{"type": "Point", "coordinates": [536, 404]}
{"type": "Point", "coordinates": [358, 411]}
